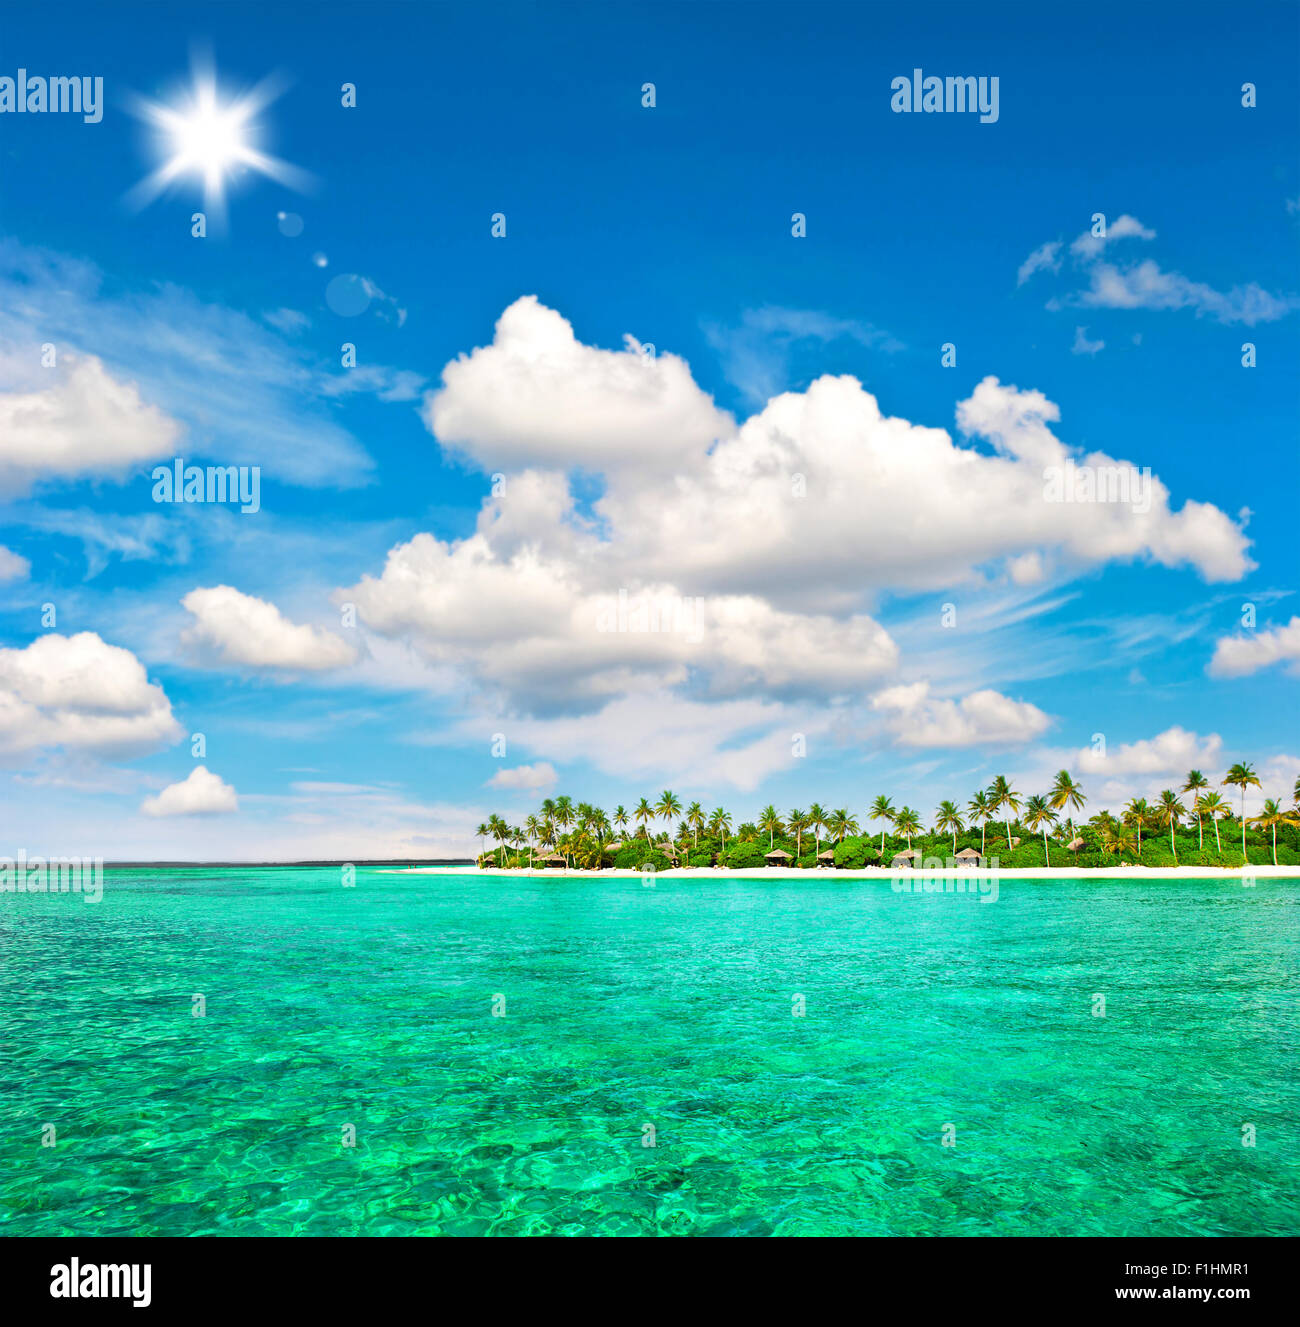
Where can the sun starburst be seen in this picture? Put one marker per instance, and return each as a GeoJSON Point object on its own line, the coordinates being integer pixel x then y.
{"type": "Point", "coordinates": [211, 139]}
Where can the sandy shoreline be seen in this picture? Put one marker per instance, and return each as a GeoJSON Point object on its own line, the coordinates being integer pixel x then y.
{"type": "Point", "coordinates": [884, 874]}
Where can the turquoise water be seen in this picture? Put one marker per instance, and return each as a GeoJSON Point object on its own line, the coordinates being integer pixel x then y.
{"type": "Point", "coordinates": [626, 1007]}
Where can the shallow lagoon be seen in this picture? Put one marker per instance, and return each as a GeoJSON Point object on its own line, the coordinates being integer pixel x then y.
{"type": "Point", "coordinates": [635, 1014]}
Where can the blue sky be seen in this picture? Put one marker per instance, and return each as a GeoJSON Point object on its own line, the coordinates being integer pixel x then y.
{"type": "Point", "coordinates": [368, 731]}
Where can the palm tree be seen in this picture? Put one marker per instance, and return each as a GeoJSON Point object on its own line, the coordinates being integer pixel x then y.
{"type": "Point", "coordinates": [841, 823]}
{"type": "Point", "coordinates": [481, 833]}
{"type": "Point", "coordinates": [818, 818]}
{"type": "Point", "coordinates": [498, 829]}
{"type": "Point", "coordinates": [907, 822]}
{"type": "Point", "coordinates": [1170, 811]}
{"type": "Point", "coordinates": [796, 821]}
{"type": "Point", "coordinates": [1212, 805]}
{"type": "Point", "coordinates": [1066, 795]}
{"type": "Point", "coordinates": [1139, 814]}
{"type": "Point", "coordinates": [1038, 815]}
{"type": "Point", "coordinates": [948, 819]}
{"type": "Point", "coordinates": [769, 818]}
{"type": "Point", "coordinates": [719, 824]}
{"type": "Point", "coordinates": [1270, 818]}
{"type": "Point", "coordinates": [668, 806]}
{"type": "Point", "coordinates": [1003, 797]}
{"type": "Point", "coordinates": [548, 809]}
{"type": "Point", "coordinates": [1195, 782]}
{"type": "Point", "coordinates": [534, 828]}
{"type": "Point", "coordinates": [644, 812]}
{"type": "Point", "coordinates": [1114, 835]}
{"type": "Point", "coordinates": [983, 810]}
{"type": "Point", "coordinates": [882, 809]}
{"type": "Point", "coordinates": [1242, 776]}
{"type": "Point", "coordinates": [564, 816]}
{"type": "Point", "coordinates": [695, 819]}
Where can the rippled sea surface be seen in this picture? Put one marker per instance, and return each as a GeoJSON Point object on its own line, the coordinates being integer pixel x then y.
{"type": "Point", "coordinates": [636, 1015]}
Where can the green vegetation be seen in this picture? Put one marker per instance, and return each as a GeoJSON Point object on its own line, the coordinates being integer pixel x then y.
{"type": "Point", "coordinates": [1035, 832]}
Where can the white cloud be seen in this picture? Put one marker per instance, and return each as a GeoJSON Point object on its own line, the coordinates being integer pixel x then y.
{"type": "Point", "coordinates": [985, 717]}
{"type": "Point", "coordinates": [1082, 346]}
{"type": "Point", "coordinates": [1174, 751]}
{"type": "Point", "coordinates": [77, 420]}
{"type": "Point", "coordinates": [201, 794]}
{"type": "Point", "coordinates": [777, 536]}
{"type": "Point", "coordinates": [81, 694]}
{"type": "Point", "coordinates": [1238, 656]}
{"type": "Point", "coordinates": [525, 777]}
{"type": "Point", "coordinates": [538, 397]}
{"type": "Point", "coordinates": [12, 566]}
{"type": "Point", "coordinates": [1145, 285]}
{"type": "Point", "coordinates": [235, 628]}
{"type": "Point", "coordinates": [248, 391]}
{"type": "Point", "coordinates": [1044, 258]}
{"type": "Point", "coordinates": [1123, 227]}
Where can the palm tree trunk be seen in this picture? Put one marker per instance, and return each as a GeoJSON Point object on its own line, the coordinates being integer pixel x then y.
{"type": "Point", "coordinates": [1218, 844]}
{"type": "Point", "coordinates": [1046, 850]}
{"type": "Point", "coordinates": [1274, 843]}
{"type": "Point", "coordinates": [984, 824]}
{"type": "Point", "coordinates": [1200, 834]}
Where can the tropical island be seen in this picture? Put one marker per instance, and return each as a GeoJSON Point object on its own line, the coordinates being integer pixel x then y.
{"type": "Point", "coordinates": [1194, 826]}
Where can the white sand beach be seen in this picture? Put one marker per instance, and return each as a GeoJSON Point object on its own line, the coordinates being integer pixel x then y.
{"type": "Point", "coordinates": [882, 874]}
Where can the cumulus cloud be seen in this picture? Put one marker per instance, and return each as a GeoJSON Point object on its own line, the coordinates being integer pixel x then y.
{"type": "Point", "coordinates": [80, 421]}
{"type": "Point", "coordinates": [757, 551]}
{"type": "Point", "coordinates": [1238, 656]}
{"type": "Point", "coordinates": [982, 718]}
{"type": "Point", "coordinates": [537, 396]}
{"type": "Point", "coordinates": [549, 631]}
{"type": "Point", "coordinates": [12, 566]}
{"type": "Point", "coordinates": [79, 693]}
{"type": "Point", "coordinates": [235, 628]}
{"type": "Point", "coordinates": [526, 778]}
{"type": "Point", "coordinates": [201, 794]}
{"type": "Point", "coordinates": [1174, 751]}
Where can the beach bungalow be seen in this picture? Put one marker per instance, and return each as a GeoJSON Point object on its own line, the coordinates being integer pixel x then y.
{"type": "Point", "coordinates": [826, 858]}
{"type": "Point", "coordinates": [554, 859]}
{"type": "Point", "coordinates": [903, 858]}
{"type": "Point", "coordinates": [968, 857]}
{"type": "Point", "coordinates": [778, 858]}
{"type": "Point", "coordinates": [1074, 845]}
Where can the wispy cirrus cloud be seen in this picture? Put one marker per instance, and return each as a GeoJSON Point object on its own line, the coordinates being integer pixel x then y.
{"type": "Point", "coordinates": [1144, 284]}
{"type": "Point", "coordinates": [220, 383]}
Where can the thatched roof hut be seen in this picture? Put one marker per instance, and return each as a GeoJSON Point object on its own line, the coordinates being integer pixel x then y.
{"type": "Point", "coordinates": [778, 857]}
{"type": "Point", "coordinates": [968, 857]}
{"type": "Point", "coordinates": [1074, 845]}
{"type": "Point", "coordinates": [826, 858]}
{"type": "Point", "coordinates": [904, 858]}
{"type": "Point", "coordinates": [552, 859]}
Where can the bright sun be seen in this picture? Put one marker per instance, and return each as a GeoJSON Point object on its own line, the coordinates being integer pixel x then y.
{"type": "Point", "coordinates": [208, 139]}
{"type": "Point", "coordinates": [204, 137]}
